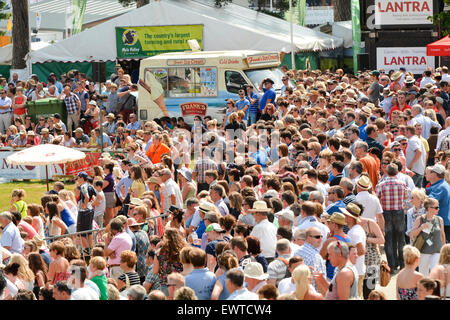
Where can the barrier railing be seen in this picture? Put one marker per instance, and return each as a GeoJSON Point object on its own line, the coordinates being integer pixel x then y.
{"type": "Point", "coordinates": [96, 234]}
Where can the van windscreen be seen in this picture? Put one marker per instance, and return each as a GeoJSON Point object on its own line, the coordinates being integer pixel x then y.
{"type": "Point", "coordinates": [257, 75]}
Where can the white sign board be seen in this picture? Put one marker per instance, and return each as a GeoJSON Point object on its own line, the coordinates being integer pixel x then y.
{"type": "Point", "coordinates": [10, 172]}
{"type": "Point", "coordinates": [403, 12]}
{"type": "Point", "coordinates": [413, 59]}
{"type": "Point", "coordinates": [319, 15]}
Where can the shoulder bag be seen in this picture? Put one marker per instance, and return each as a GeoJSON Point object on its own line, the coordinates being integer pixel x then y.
{"type": "Point", "coordinates": [385, 273]}
{"type": "Point", "coordinates": [420, 239]}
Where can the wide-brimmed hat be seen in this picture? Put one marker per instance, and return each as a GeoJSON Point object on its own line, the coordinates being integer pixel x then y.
{"type": "Point", "coordinates": [351, 101]}
{"type": "Point", "coordinates": [133, 223]}
{"type": "Point", "coordinates": [409, 80]}
{"type": "Point", "coordinates": [338, 218]}
{"type": "Point", "coordinates": [31, 133]}
{"type": "Point", "coordinates": [260, 206]}
{"type": "Point", "coordinates": [136, 202]}
{"type": "Point", "coordinates": [387, 91]}
{"type": "Point", "coordinates": [366, 110]}
{"type": "Point", "coordinates": [255, 270]}
{"type": "Point", "coordinates": [110, 115]}
{"type": "Point", "coordinates": [206, 206]}
{"type": "Point", "coordinates": [396, 75]}
{"type": "Point", "coordinates": [22, 132]}
{"type": "Point", "coordinates": [352, 211]}
{"type": "Point", "coordinates": [186, 173]}
{"type": "Point", "coordinates": [44, 130]}
{"type": "Point", "coordinates": [93, 102]}
{"type": "Point", "coordinates": [153, 180]}
{"type": "Point", "coordinates": [286, 214]}
{"type": "Point", "coordinates": [364, 183]}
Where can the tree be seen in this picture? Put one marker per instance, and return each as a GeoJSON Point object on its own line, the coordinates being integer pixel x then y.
{"type": "Point", "coordinates": [3, 15]}
{"type": "Point", "coordinates": [342, 11]}
{"type": "Point", "coordinates": [280, 6]}
{"type": "Point", "coordinates": [20, 34]}
{"type": "Point", "coordinates": [442, 19]}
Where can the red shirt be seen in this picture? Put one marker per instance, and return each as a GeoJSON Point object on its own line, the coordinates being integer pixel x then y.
{"type": "Point", "coordinates": [28, 228]}
{"type": "Point", "coordinates": [396, 107]}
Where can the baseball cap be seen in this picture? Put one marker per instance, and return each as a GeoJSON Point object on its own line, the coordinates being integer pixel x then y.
{"type": "Point", "coordinates": [83, 175]}
{"type": "Point", "coordinates": [286, 214]}
{"type": "Point", "coordinates": [438, 168]}
{"type": "Point", "coordinates": [214, 227]}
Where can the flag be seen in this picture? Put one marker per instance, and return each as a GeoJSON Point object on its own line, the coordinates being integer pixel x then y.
{"type": "Point", "coordinates": [356, 32]}
{"type": "Point", "coordinates": [79, 8]}
{"type": "Point", "coordinates": [9, 25]}
{"type": "Point", "coordinates": [301, 10]}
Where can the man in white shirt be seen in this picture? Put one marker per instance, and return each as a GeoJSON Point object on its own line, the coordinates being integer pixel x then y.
{"type": "Point", "coordinates": [426, 122]}
{"type": "Point", "coordinates": [77, 280]}
{"type": "Point", "coordinates": [370, 202]}
{"type": "Point", "coordinates": [443, 134]}
{"type": "Point", "coordinates": [264, 230]}
{"type": "Point", "coordinates": [358, 237]}
{"type": "Point", "coordinates": [445, 75]}
{"type": "Point", "coordinates": [415, 156]}
{"type": "Point", "coordinates": [5, 111]}
{"type": "Point", "coordinates": [426, 79]}
{"type": "Point", "coordinates": [172, 193]}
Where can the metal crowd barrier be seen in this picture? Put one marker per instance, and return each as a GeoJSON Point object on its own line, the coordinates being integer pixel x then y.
{"type": "Point", "coordinates": [96, 236]}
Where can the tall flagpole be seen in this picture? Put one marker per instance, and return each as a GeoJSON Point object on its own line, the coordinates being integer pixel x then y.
{"type": "Point", "coordinates": [292, 36]}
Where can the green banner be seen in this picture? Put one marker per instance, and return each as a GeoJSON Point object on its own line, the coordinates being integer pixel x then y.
{"type": "Point", "coordinates": [356, 33]}
{"type": "Point", "coordinates": [141, 42]}
{"type": "Point", "coordinates": [79, 8]}
{"type": "Point", "coordinates": [301, 7]}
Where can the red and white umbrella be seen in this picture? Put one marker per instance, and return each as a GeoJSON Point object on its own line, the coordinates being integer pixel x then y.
{"type": "Point", "coordinates": [44, 155]}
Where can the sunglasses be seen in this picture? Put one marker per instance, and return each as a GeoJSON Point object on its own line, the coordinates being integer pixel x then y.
{"type": "Point", "coordinates": [396, 150]}
{"type": "Point", "coordinates": [317, 237]}
{"type": "Point", "coordinates": [437, 208]}
{"type": "Point", "coordinates": [385, 163]}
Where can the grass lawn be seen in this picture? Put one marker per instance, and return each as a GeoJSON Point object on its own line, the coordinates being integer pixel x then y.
{"type": "Point", "coordinates": [34, 191]}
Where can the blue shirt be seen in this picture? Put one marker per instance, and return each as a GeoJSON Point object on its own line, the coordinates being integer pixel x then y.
{"type": "Point", "coordinates": [268, 94]}
{"type": "Point", "coordinates": [11, 238]}
{"type": "Point", "coordinates": [241, 104]}
{"type": "Point", "coordinates": [202, 281]}
{"type": "Point", "coordinates": [126, 182]}
{"type": "Point", "coordinates": [334, 207]}
{"type": "Point", "coordinates": [200, 229]}
{"type": "Point", "coordinates": [225, 293]}
{"type": "Point", "coordinates": [261, 157]}
{"type": "Point", "coordinates": [362, 132]}
{"type": "Point", "coordinates": [441, 191]}
{"type": "Point", "coordinates": [134, 126]}
{"type": "Point", "coordinates": [105, 139]}
{"type": "Point", "coordinates": [253, 108]}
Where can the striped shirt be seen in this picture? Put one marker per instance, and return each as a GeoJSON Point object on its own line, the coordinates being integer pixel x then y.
{"type": "Point", "coordinates": [201, 166]}
{"type": "Point", "coordinates": [392, 193]}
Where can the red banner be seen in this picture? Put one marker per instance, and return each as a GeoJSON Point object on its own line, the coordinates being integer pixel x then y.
{"type": "Point", "coordinates": [73, 168]}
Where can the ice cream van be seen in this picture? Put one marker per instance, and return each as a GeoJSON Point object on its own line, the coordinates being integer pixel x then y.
{"type": "Point", "coordinates": [199, 83]}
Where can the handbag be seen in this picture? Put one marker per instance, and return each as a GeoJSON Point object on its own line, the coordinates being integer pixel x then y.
{"type": "Point", "coordinates": [385, 274]}
{"type": "Point", "coordinates": [420, 239]}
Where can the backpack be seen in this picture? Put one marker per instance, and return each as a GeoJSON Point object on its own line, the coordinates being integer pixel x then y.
{"type": "Point", "coordinates": [288, 273]}
{"type": "Point", "coordinates": [445, 145]}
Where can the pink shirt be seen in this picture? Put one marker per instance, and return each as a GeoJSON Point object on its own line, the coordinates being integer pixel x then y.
{"type": "Point", "coordinates": [121, 242]}
{"type": "Point", "coordinates": [28, 228]}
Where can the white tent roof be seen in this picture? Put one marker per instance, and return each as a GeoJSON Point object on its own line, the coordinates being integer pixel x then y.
{"type": "Point", "coordinates": [229, 28]}
{"type": "Point", "coordinates": [6, 51]}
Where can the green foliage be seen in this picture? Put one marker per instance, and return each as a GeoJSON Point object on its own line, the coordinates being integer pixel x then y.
{"type": "Point", "coordinates": [442, 19]}
{"type": "Point", "coordinates": [3, 15]}
{"type": "Point", "coordinates": [222, 3]}
{"type": "Point", "coordinates": [280, 6]}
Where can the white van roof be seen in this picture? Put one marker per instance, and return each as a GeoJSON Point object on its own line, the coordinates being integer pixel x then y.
{"type": "Point", "coordinates": [243, 58]}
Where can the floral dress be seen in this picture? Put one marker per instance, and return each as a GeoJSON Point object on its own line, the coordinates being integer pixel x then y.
{"type": "Point", "coordinates": [166, 267]}
{"type": "Point", "coordinates": [142, 245]}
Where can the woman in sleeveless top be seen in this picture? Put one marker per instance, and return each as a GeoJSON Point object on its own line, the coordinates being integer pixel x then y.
{"type": "Point", "coordinates": [431, 226]}
{"type": "Point", "coordinates": [442, 271]}
{"type": "Point", "coordinates": [408, 277]}
{"type": "Point", "coordinates": [56, 226]}
{"type": "Point", "coordinates": [372, 257]}
{"type": "Point", "coordinates": [59, 267]}
{"type": "Point", "coordinates": [188, 189]}
{"type": "Point", "coordinates": [19, 103]}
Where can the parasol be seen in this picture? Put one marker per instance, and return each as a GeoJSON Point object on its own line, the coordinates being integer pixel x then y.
{"type": "Point", "coordinates": [44, 155]}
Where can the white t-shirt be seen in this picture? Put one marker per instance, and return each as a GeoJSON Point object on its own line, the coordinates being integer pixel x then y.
{"type": "Point", "coordinates": [286, 286]}
{"type": "Point", "coordinates": [99, 209]}
{"type": "Point", "coordinates": [370, 203]}
{"type": "Point", "coordinates": [85, 293]}
{"type": "Point", "coordinates": [266, 232]}
{"type": "Point", "coordinates": [172, 188]}
{"type": "Point", "coordinates": [414, 143]}
{"type": "Point", "coordinates": [358, 235]}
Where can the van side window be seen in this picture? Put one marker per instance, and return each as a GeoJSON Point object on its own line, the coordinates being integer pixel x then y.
{"type": "Point", "coordinates": [234, 81]}
{"type": "Point", "coordinates": [184, 82]}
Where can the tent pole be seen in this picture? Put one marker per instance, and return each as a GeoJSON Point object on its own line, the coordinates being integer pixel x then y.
{"type": "Point", "coordinates": [46, 176]}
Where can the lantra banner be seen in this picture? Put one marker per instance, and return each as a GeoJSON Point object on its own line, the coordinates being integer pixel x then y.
{"type": "Point", "coordinates": [141, 42]}
{"type": "Point", "coordinates": [403, 12]}
{"type": "Point", "coordinates": [75, 167]}
{"type": "Point", "coordinates": [413, 59]}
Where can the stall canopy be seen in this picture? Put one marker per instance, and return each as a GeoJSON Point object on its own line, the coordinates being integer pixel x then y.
{"type": "Point", "coordinates": [6, 51]}
{"type": "Point", "coordinates": [439, 48]}
{"type": "Point", "coordinates": [229, 28]}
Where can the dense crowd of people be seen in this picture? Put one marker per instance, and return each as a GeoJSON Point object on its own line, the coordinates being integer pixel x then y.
{"type": "Point", "coordinates": [294, 195]}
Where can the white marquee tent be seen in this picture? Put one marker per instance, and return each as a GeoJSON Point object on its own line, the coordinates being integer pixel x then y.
{"type": "Point", "coordinates": [229, 28]}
